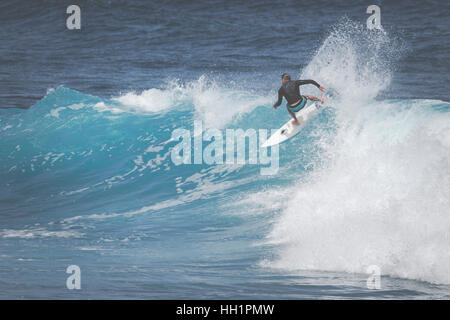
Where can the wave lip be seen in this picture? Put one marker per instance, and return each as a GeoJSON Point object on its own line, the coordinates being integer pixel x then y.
{"type": "Point", "coordinates": [216, 105]}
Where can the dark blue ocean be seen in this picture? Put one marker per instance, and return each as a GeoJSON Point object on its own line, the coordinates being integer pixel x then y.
{"type": "Point", "coordinates": [87, 176]}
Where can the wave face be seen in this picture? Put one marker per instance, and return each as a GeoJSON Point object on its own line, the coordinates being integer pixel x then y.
{"type": "Point", "coordinates": [381, 196]}
{"type": "Point", "coordinates": [90, 181]}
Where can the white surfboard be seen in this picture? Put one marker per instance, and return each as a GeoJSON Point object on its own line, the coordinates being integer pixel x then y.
{"type": "Point", "coordinates": [289, 129]}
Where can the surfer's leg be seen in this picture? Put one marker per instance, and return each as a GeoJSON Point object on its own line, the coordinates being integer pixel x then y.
{"type": "Point", "coordinates": [313, 98]}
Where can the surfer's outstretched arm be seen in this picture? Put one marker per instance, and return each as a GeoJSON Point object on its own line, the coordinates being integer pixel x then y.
{"type": "Point", "coordinates": [302, 82]}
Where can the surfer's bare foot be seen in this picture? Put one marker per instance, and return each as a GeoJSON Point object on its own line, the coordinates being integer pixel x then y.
{"type": "Point", "coordinates": [295, 122]}
{"type": "Point", "coordinates": [323, 98]}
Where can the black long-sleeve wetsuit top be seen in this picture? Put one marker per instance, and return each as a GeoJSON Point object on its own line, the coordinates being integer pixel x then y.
{"type": "Point", "coordinates": [291, 91]}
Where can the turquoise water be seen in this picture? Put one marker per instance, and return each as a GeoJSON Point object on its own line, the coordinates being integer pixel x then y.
{"type": "Point", "coordinates": [98, 189]}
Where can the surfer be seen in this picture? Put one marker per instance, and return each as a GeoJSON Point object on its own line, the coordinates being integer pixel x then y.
{"type": "Point", "coordinates": [291, 91]}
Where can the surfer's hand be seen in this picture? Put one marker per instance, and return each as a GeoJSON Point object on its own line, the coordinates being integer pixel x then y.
{"type": "Point", "coordinates": [322, 89]}
{"type": "Point", "coordinates": [274, 106]}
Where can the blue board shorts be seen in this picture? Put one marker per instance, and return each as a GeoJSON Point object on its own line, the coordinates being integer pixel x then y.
{"type": "Point", "coordinates": [300, 105]}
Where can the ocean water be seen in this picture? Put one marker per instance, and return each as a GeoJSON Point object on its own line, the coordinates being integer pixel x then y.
{"type": "Point", "coordinates": [86, 170]}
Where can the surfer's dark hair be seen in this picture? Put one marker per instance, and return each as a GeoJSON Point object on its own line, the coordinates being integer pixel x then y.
{"type": "Point", "coordinates": [286, 76]}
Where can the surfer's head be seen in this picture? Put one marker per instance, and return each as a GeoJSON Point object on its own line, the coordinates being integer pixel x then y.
{"type": "Point", "coordinates": [285, 77]}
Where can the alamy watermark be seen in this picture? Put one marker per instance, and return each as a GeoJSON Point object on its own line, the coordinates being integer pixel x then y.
{"type": "Point", "coordinates": [374, 21]}
{"type": "Point", "coordinates": [373, 282]}
{"type": "Point", "coordinates": [73, 22]}
{"type": "Point", "coordinates": [74, 280]}
{"type": "Point", "coordinates": [229, 147]}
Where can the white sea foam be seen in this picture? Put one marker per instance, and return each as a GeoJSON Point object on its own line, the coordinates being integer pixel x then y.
{"type": "Point", "coordinates": [382, 196]}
